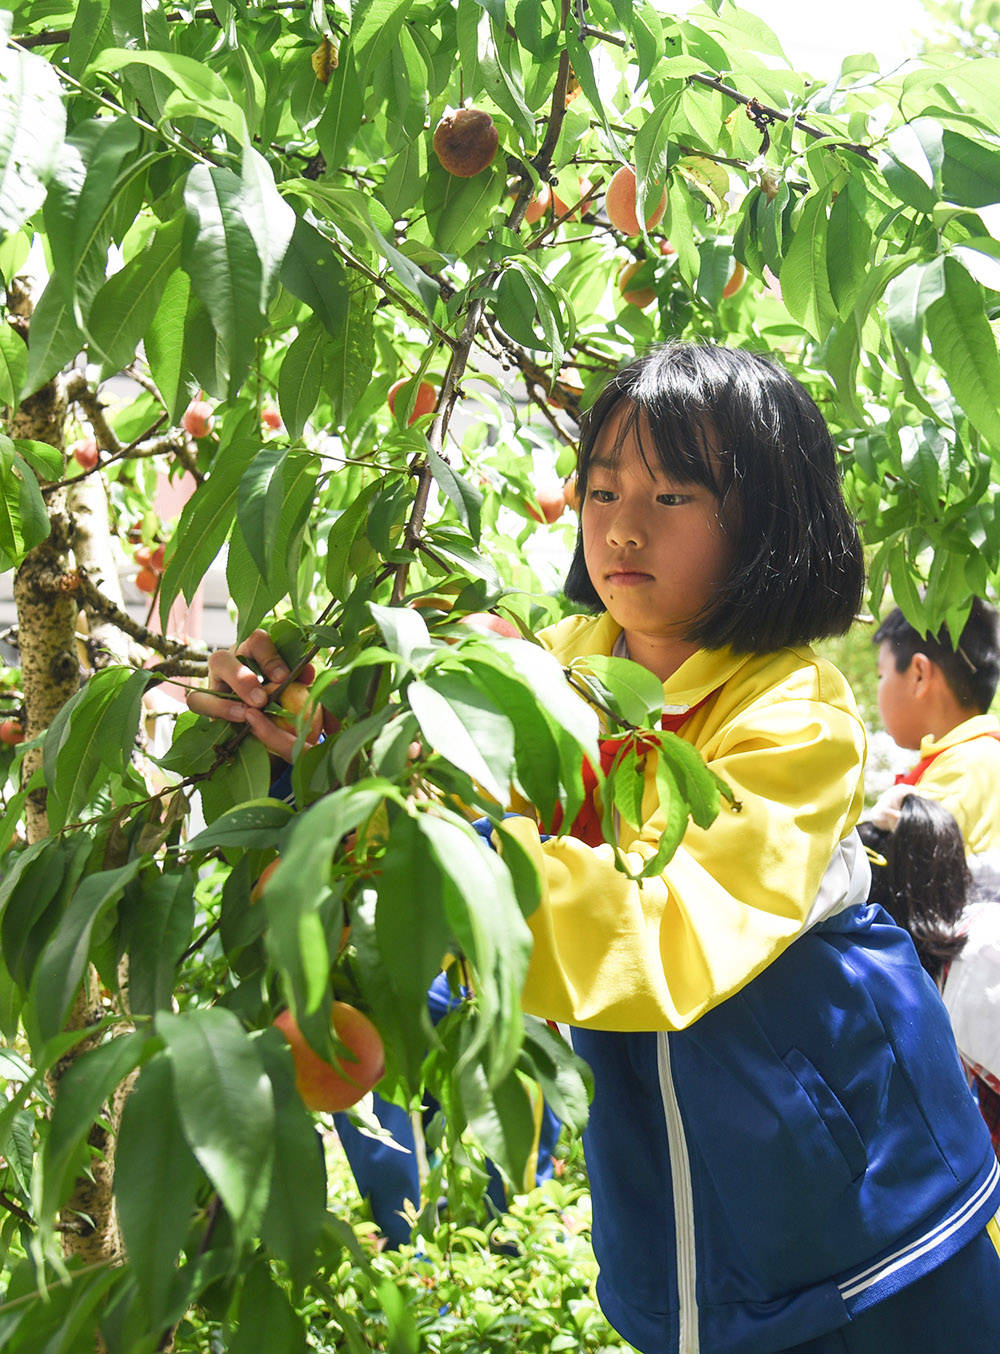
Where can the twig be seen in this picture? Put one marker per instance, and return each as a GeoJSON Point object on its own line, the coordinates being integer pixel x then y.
{"type": "Point", "coordinates": [170, 648]}
{"type": "Point", "coordinates": [15, 1208]}
{"type": "Point", "coordinates": [775, 114]}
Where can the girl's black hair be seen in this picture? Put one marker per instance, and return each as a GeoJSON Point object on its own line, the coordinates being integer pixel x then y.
{"type": "Point", "coordinates": [925, 880]}
{"type": "Point", "coordinates": [740, 425]}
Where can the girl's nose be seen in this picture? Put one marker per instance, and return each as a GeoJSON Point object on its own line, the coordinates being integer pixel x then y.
{"type": "Point", "coordinates": [625, 529]}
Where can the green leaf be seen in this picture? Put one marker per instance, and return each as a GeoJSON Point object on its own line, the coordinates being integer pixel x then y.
{"type": "Point", "coordinates": [225, 1105]}
{"type": "Point", "coordinates": [697, 784]}
{"type": "Point", "coordinates": [375, 28]}
{"type": "Point", "coordinates": [459, 211]}
{"type": "Point", "coordinates": [24, 521]}
{"type": "Point", "coordinates": [95, 166]}
{"type": "Point", "coordinates": [267, 1319]}
{"type": "Point", "coordinates": [344, 111]}
{"type": "Point", "coordinates": [848, 245]}
{"type": "Point", "coordinates": [313, 272]}
{"type": "Point", "coordinates": [351, 355]}
{"type": "Point", "coordinates": [65, 956]}
{"type": "Point", "coordinates": [84, 1088]}
{"type": "Point", "coordinates": [301, 378]}
{"type": "Point", "coordinates": [536, 754]}
{"type": "Point", "coordinates": [156, 1178]}
{"type": "Point", "coordinates": [467, 499]}
{"type": "Point", "coordinates": [970, 171]}
{"type": "Point", "coordinates": [566, 1080]}
{"type": "Point", "coordinates": [45, 460]}
{"type": "Point", "coordinates": [95, 728]}
{"type": "Point", "coordinates": [625, 785]}
{"type": "Point", "coordinates": [253, 824]}
{"type": "Point", "coordinates": [484, 916]}
{"type": "Point", "coordinates": [237, 230]}
{"type": "Point", "coordinates": [32, 896]}
{"type": "Point", "coordinates": [411, 925]}
{"type": "Point", "coordinates": [55, 338]}
{"type": "Point", "coordinates": [909, 296]}
{"type": "Point", "coordinates": [13, 365]}
{"type": "Point", "coordinates": [259, 500]}
{"type": "Point", "coordinates": [125, 306]}
{"type": "Point", "coordinates": [293, 1222]}
{"type": "Point", "coordinates": [32, 126]}
{"type": "Point", "coordinates": [908, 169]}
{"type": "Point", "coordinates": [805, 281]}
{"type": "Point", "coordinates": [343, 534]}
{"type": "Point", "coordinates": [300, 885]}
{"type": "Point", "coordinates": [204, 524]}
{"type": "Point", "coordinates": [155, 922]}
{"type": "Point", "coordinates": [637, 692]}
{"type": "Point", "coordinates": [460, 724]}
{"type": "Point", "coordinates": [500, 1116]}
{"type": "Point", "coordinates": [90, 26]}
{"type": "Point", "coordinates": [252, 595]}
{"type": "Point", "coordinates": [246, 777]}
{"type": "Point", "coordinates": [163, 352]}
{"type": "Point", "coordinates": [197, 84]}
{"type": "Point", "coordinates": [963, 343]}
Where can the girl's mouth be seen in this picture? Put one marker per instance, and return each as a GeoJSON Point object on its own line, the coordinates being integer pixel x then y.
{"type": "Point", "coordinates": [625, 578]}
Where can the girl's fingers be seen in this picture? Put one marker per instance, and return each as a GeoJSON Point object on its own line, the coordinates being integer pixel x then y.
{"type": "Point", "coordinates": [216, 706]}
{"type": "Point", "coordinates": [277, 741]}
{"type": "Point", "coordinates": [237, 689]}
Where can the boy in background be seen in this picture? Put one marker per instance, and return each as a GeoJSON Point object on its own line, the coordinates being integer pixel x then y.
{"type": "Point", "coordinates": [934, 696]}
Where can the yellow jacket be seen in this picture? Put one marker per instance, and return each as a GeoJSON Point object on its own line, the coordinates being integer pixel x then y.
{"type": "Point", "coordinates": [784, 733]}
{"type": "Point", "coordinates": [965, 777]}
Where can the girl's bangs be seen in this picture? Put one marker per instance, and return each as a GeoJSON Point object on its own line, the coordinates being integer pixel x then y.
{"type": "Point", "coordinates": [679, 445]}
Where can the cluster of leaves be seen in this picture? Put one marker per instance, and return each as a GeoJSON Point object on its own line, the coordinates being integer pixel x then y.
{"type": "Point", "coordinates": [243, 204]}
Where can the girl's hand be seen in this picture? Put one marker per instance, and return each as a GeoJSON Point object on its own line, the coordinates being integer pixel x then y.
{"type": "Point", "coordinates": [886, 809]}
{"type": "Point", "coordinates": [231, 677]}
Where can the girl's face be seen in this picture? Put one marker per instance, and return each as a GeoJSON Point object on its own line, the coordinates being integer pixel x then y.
{"type": "Point", "coordinates": [656, 549]}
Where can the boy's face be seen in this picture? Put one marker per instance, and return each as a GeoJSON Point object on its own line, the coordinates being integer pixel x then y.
{"type": "Point", "coordinates": [902, 715]}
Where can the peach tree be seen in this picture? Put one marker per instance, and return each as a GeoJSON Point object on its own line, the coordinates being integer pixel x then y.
{"type": "Point", "coordinates": [227, 232]}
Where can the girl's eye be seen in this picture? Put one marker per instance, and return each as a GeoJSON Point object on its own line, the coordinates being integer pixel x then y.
{"type": "Point", "coordinates": [601, 495]}
{"type": "Point", "coordinates": [671, 500]}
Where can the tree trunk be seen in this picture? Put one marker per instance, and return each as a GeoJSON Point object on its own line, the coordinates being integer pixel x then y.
{"type": "Point", "coordinates": [45, 598]}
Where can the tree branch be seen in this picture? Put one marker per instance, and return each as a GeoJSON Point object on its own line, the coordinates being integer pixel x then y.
{"type": "Point", "coordinates": [103, 606]}
{"type": "Point", "coordinates": [713, 82]}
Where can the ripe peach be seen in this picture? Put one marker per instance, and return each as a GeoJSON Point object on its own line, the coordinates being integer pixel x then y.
{"type": "Point", "coordinates": [466, 141]}
{"type": "Point", "coordinates": [142, 555]}
{"type": "Point", "coordinates": [11, 732]}
{"type": "Point", "coordinates": [619, 203]}
{"type": "Point", "coordinates": [157, 559]}
{"type": "Point", "coordinates": [736, 279]}
{"type": "Point", "coordinates": [423, 404]}
{"type": "Point", "coordinates": [548, 197]}
{"type": "Point", "coordinates": [270, 417]}
{"type": "Point", "coordinates": [551, 503]}
{"type": "Point", "coordinates": [571, 496]}
{"type": "Point", "coordinates": [486, 620]}
{"type": "Point", "coordinates": [85, 453]}
{"type": "Point", "coordinates": [257, 892]}
{"type": "Point", "coordinates": [197, 418]}
{"type": "Point", "coordinates": [637, 296]}
{"type": "Point", "coordinates": [146, 580]}
{"type": "Point", "coordinates": [337, 1085]}
{"type": "Point", "coordinates": [298, 699]}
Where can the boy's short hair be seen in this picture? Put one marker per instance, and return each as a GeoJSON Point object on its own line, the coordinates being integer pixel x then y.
{"type": "Point", "coordinates": [741, 425]}
{"type": "Point", "coordinates": [971, 667]}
